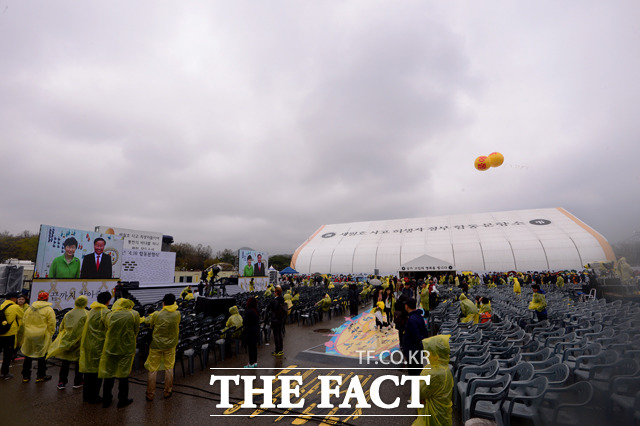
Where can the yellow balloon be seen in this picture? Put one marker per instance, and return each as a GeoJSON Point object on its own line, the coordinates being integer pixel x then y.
{"type": "Point", "coordinates": [482, 163]}
{"type": "Point", "coordinates": [496, 159]}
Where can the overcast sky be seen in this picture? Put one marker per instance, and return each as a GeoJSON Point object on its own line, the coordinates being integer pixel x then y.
{"type": "Point", "coordinates": [252, 123]}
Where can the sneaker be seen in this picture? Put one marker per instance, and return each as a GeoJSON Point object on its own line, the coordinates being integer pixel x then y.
{"type": "Point", "coordinates": [124, 403]}
{"type": "Point", "coordinates": [78, 386]}
{"type": "Point", "coordinates": [248, 366]}
{"type": "Point", "coordinates": [42, 379]}
{"type": "Point", "coordinates": [7, 376]}
{"type": "Point", "coordinates": [255, 365]}
{"type": "Point", "coordinates": [26, 379]}
{"type": "Point", "coordinates": [281, 353]}
{"type": "Point", "coordinates": [61, 386]}
{"type": "Point", "coordinates": [274, 353]}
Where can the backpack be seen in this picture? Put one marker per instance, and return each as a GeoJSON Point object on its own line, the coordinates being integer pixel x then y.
{"type": "Point", "coordinates": [4, 325]}
{"type": "Point", "coordinates": [281, 310]}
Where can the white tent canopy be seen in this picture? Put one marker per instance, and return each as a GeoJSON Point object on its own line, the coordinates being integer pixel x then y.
{"type": "Point", "coordinates": [522, 240]}
{"type": "Point", "coordinates": [426, 263]}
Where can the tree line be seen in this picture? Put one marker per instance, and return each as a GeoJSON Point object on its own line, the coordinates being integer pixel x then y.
{"type": "Point", "coordinates": [24, 246]}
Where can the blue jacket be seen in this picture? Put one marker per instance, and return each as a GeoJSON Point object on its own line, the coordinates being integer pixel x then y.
{"type": "Point", "coordinates": [414, 332]}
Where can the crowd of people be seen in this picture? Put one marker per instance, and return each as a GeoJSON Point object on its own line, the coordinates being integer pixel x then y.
{"type": "Point", "coordinates": [99, 341]}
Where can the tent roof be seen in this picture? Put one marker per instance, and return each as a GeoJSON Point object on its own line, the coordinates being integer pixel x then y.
{"type": "Point", "coordinates": [288, 270]}
{"type": "Point", "coordinates": [426, 263]}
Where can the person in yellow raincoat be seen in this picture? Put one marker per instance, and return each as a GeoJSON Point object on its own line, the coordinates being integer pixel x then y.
{"type": "Point", "coordinates": [424, 298]}
{"type": "Point", "coordinates": [162, 351]}
{"type": "Point", "coordinates": [560, 281]}
{"type": "Point", "coordinates": [22, 302]}
{"type": "Point", "coordinates": [485, 309]}
{"type": "Point", "coordinates": [67, 345]}
{"type": "Point", "coordinates": [235, 320]}
{"type": "Point", "coordinates": [187, 293]}
{"type": "Point", "coordinates": [538, 303]}
{"type": "Point", "coordinates": [39, 326]}
{"type": "Point", "coordinates": [91, 345]}
{"type": "Point", "coordinates": [436, 397]}
{"type": "Point", "coordinates": [331, 286]}
{"type": "Point", "coordinates": [8, 343]}
{"type": "Point", "coordinates": [123, 324]}
{"type": "Point", "coordinates": [324, 304]}
{"type": "Point", "coordinates": [469, 310]}
{"type": "Point", "coordinates": [288, 299]}
{"type": "Point", "coordinates": [516, 286]}
{"type": "Point", "coordinates": [296, 298]}
{"type": "Point", "coordinates": [378, 313]}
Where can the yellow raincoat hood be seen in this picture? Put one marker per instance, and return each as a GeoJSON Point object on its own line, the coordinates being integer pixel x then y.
{"type": "Point", "coordinates": [437, 395]}
{"type": "Point", "coordinates": [81, 302]}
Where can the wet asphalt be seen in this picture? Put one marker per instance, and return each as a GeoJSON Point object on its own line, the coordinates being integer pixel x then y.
{"type": "Point", "coordinates": [194, 399]}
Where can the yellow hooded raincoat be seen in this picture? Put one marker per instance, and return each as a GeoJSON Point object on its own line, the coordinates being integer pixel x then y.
{"type": "Point", "coordinates": [235, 320]}
{"type": "Point", "coordinates": [123, 324]}
{"type": "Point", "coordinates": [93, 335]}
{"type": "Point", "coordinates": [166, 332]}
{"type": "Point", "coordinates": [14, 315]}
{"type": "Point", "coordinates": [516, 286]}
{"type": "Point", "coordinates": [67, 345]}
{"type": "Point", "coordinates": [436, 397]}
{"type": "Point", "coordinates": [469, 310]}
{"type": "Point", "coordinates": [39, 326]}
{"type": "Point", "coordinates": [538, 302]}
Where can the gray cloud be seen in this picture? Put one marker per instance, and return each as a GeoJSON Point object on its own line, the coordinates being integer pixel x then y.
{"type": "Point", "coordinates": [250, 124]}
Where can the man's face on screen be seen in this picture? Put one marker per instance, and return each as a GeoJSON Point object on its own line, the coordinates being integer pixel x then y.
{"type": "Point", "coordinates": [259, 258]}
{"type": "Point", "coordinates": [98, 247]}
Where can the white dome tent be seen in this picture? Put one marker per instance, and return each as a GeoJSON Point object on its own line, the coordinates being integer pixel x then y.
{"type": "Point", "coordinates": [522, 240]}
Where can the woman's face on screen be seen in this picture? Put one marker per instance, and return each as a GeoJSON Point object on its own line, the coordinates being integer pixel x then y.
{"type": "Point", "coordinates": [69, 251]}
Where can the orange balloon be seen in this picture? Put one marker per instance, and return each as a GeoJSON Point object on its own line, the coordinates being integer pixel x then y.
{"type": "Point", "coordinates": [496, 159]}
{"type": "Point", "coordinates": [482, 163]}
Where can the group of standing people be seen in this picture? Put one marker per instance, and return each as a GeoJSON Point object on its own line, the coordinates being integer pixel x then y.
{"type": "Point", "coordinates": [100, 343]}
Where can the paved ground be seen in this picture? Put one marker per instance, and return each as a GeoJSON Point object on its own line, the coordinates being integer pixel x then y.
{"type": "Point", "coordinates": [194, 398]}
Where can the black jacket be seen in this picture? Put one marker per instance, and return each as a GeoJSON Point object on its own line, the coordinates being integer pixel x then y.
{"type": "Point", "coordinates": [415, 330]}
{"type": "Point", "coordinates": [251, 322]}
{"type": "Point", "coordinates": [88, 268]}
{"type": "Point", "coordinates": [274, 306]}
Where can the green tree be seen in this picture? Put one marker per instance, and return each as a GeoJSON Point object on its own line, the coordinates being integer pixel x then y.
{"type": "Point", "coordinates": [227, 256]}
{"type": "Point", "coordinates": [190, 257]}
{"type": "Point", "coordinates": [280, 261]}
{"type": "Point", "coordinates": [22, 246]}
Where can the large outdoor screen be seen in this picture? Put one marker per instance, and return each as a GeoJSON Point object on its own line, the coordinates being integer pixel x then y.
{"type": "Point", "coordinates": [67, 253]}
{"type": "Point", "coordinates": [253, 263]}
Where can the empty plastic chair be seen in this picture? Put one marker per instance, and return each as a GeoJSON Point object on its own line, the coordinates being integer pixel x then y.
{"type": "Point", "coordinates": [557, 375]}
{"type": "Point", "coordinates": [487, 405]}
{"type": "Point", "coordinates": [523, 399]}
